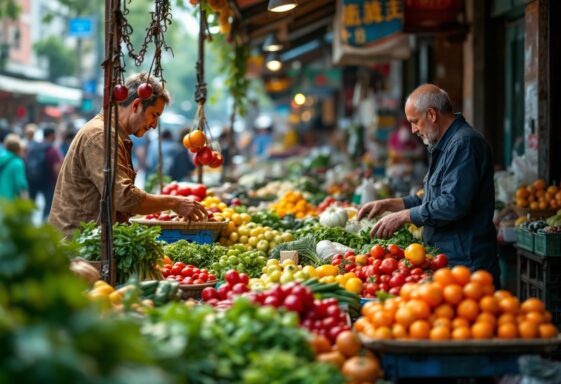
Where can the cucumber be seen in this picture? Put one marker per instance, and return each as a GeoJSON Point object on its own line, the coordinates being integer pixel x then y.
{"type": "Point", "coordinates": [148, 286]}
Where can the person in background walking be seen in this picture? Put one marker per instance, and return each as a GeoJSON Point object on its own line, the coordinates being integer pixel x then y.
{"type": "Point", "coordinates": [43, 164]}
{"type": "Point", "coordinates": [13, 183]}
{"type": "Point", "coordinates": [29, 137]}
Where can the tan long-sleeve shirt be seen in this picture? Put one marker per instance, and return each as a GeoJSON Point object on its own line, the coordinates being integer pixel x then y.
{"type": "Point", "coordinates": [79, 185]}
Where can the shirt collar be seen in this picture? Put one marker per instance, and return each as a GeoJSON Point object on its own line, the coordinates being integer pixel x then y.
{"type": "Point", "coordinates": [458, 121]}
{"type": "Point", "coordinates": [122, 134]}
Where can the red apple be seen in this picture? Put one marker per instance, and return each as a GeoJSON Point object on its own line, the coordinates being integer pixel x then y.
{"type": "Point", "coordinates": [205, 155]}
{"type": "Point", "coordinates": [120, 92]}
{"type": "Point", "coordinates": [217, 159]}
{"type": "Point", "coordinates": [144, 91]}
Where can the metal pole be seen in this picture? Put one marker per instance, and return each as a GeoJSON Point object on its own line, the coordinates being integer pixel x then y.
{"type": "Point", "coordinates": [107, 259]}
{"type": "Point", "coordinates": [200, 92]}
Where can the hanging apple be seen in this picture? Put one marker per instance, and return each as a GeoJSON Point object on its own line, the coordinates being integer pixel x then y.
{"type": "Point", "coordinates": [196, 161]}
{"type": "Point", "coordinates": [204, 155]}
{"type": "Point", "coordinates": [120, 92]}
{"type": "Point", "coordinates": [217, 159]}
{"type": "Point", "coordinates": [144, 91]}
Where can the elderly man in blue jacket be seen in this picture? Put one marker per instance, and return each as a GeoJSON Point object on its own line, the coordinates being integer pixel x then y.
{"type": "Point", "coordinates": [457, 207]}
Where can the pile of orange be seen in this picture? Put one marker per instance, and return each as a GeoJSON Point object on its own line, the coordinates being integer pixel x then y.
{"type": "Point", "coordinates": [456, 305]}
{"type": "Point", "coordinates": [538, 196]}
{"type": "Point", "coordinates": [293, 203]}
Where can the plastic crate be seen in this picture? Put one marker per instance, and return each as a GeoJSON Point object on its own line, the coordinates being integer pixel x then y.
{"type": "Point", "coordinates": [540, 276]}
{"type": "Point", "coordinates": [547, 244]}
{"type": "Point", "coordinates": [199, 236]}
{"type": "Point", "coordinates": [525, 239]}
{"type": "Point", "coordinates": [402, 366]}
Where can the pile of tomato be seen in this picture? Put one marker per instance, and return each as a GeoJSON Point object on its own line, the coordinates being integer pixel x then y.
{"type": "Point", "coordinates": [388, 269]}
{"type": "Point", "coordinates": [323, 317]}
{"type": "Point", "coordinates": [196, 192]}
{"type": "Point", "coordinates": [187, 274]}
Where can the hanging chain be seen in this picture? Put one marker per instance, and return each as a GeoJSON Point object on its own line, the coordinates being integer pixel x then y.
{"type": "Point", "coordinates": [161, 18]}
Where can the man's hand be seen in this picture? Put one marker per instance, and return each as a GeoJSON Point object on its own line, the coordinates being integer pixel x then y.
{"type": "Point", "coordinates": [389, 224]}
{"type": "Point", "coordinates": [377, 207]}
{"type": "Point", "coordinates": [190, 209]}
{"type": "Point", "coordinates": [373, 209]}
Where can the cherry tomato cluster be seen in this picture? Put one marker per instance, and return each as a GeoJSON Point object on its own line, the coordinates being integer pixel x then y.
{"type": "Point", "coordinates": [321, 316]}
{"type": "Point", "coordinates": [196, 192]}
{"type": "Point", "coordinates": [386, 269]}
{"type": "Point", "coordinates": [329, 201]}
{"type": "Point", "coordinates": [187, 274]}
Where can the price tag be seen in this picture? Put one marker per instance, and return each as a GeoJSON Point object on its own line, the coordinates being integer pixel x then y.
{"type": "Point", "coordinates": [289, 255]}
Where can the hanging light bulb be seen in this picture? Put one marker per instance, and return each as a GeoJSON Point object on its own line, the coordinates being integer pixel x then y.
{"type": "Point", "coordinates": [272, 44]}
{"type": "Point", "coordinates": [281, 5]}
{"type": "Point", "coordinates": [273, 62]}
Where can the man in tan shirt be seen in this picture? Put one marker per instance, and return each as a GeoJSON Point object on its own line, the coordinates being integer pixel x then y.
{"type": "Point", "coordinates": [80, 182]}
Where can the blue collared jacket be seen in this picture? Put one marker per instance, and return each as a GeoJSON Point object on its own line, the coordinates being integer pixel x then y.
{"type": "Point", "coordinates": [458, 204]}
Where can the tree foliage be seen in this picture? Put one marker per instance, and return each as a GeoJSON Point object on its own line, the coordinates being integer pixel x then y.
{"type": "Point", "coordinates": [9, 9]}
{"type": "Point", "coordinates": [62, 60]}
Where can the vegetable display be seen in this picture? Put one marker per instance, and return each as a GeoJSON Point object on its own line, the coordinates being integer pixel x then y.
{"type": "Point", "coordinates": [199, 255]}
{"type": "Point", "coordinates": [237, 258]}
{"type": "Point", "coordinates": [137, 250]}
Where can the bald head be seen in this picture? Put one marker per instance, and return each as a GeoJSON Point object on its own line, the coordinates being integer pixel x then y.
{"type": "Point", "coordinates": [429, 110]}
{"type": "Point", "coordinates": [430, 96]}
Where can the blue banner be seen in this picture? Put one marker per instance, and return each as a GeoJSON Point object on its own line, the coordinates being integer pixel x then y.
{"type": "Point", "coordinates": [366, 22]}
{"type": "Point", "coordinates": [81, 27]}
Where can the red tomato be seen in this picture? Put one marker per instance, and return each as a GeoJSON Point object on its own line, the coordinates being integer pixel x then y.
{"type": "Point", "coordinates": [417, 271]}
{"type": "Point", "coordinates": [384, 279]}
{"type": "Point", "coordinates": [187, 280]}
{"type": "Point", "coordinates": [336, 262]}
{"type": "Point", "coordinates": [166, 271]}
{"type": "Point", "coordinates": [244, 278]}
{"type": "Point", "coordinates": [203, 277]}
{"type": "Point", "coordinates": [350, 258]}
{"type": "Point", "coordinates": [388, 265]}
{"type": "Point", "coordinates": [439, 261]}
{"type": "Point", "coordinates": [176, 269]}
{"type": "Point", "coordinates": [240, 288]}
{"type": "Point", "coordinates": [293, 303]}
{"type": "Point", "coordinates": [349, 253]}
{"type": "Point", "coordinates": [397, 280]}
{"type": "Point", "coordinates": [384, 287]}
{"type": "Point", "coordinates": [272, 300]}
{"type": "Point", "coordinates": [187, 271]}
{"type": "Point", "coordinates": [337, 257]}
{"type": "Point", "coordinates": [200, 190]}
{"type": "Point", "coordinates": [232, 277]}
{"type": "Point", "coordinates": [209, 293]}
{"type": "Point", "coordinates": [378, 252]}
{"type": "Point", "coordinates": [395, 291]}
{"type": "Point", "coordinates": [197, 281]}
{"type": "Point", "coordinates": [184, 191]}
{"type": "Point", "coordinates": [223, 291]}
{"type": "Point", "coordinates": [395, 251]}
{"type": "Point", "coordinates": [211, 277]}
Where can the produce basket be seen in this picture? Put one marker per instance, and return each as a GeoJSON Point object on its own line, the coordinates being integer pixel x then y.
{"type": "Point", "coordinates": [547, 244]}
{"type": "Point", "coordinates": [525, 239]}
{"type": "Point", "coordinates": [534, 213]}
{"type": "Point", "coordinates": [193, 291]}
{"type": "Point", "coordinates": [197, 232]}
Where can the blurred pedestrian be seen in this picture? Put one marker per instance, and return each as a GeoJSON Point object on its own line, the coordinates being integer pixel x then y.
{"type": "Point", "coordinates": [28, 137]}
{"type": "Point", "coordinates": [43, 164]}
{"type": "Point", "coordinates": [68, 137]}
{"type": "Point", "coordinates": [13, 183]}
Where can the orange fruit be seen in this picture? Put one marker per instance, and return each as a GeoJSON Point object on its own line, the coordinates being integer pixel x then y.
{"type": "Point", "coordinates": [404, 316]}
{"type": "Point", "coordinates": [547, 317]}
{"type": "Point", "coordinates": [431, 294]}
{"type": "Point", "coordinates": [444, 311]}
{"type": "Point", "coordinates": [501, 294]}
{"type": "Point", "coordinates": [461, 274]}
{"type": "Point", "coordinates": [461, 333]}
{"type": "Point", "coordinates": [361, 324]}
{"type": "Point", "coordinates": [528, 329]}
{"type": "Point", "coordinates": [442, 322]}
{"type": "Point", "coordinates": [488, 290]}
{"type": "Point", "coordinates": [482, 277]}
{"type": "Point", "coordinates": [420, 309]}
{"type": "Point", "coordinates": [382, 319]}
{"type": "Point", "coordinates": [468, 309]}
{"type": "Point", "coordinates": [440, 333]}
{"type": "Point", "coordinates": [443, 277]}
{"type": "Point", "coordinates": [547, 331]}
{"type": "Point", "coordinates": [420, 329]}
{"type": "Point", "coordinates": [536, 317]}
{"type": "Point", "coordinates": [489, 304]}
{"type": "Point", "coordinates": [384, 333]}
{"type": "Point", "coordinates": [506, 318]}
{"type": "Point", "coordinates": [473, 290]}
{"type": "Point", "coordinates": [370, 307]}
{"type": "Point", "coordinates": [406, 290]}
{"type": "Point", "coordinates": [391, 306]}
{"type": "Point", "coordinates": [507, 331]}
{"type": "Point", "coordinates": [522, 192]}
{"type": "Point", "coordinates": [481, 330]}
{"type": "Point", "coordinates": [509, 305]}
{"type": "Point", "coordinates": [460, 322]}
{"type": "Point", "coordinates": [195, 139]}
{"type": "Point", "coordinates": [399, 331]}
{"type": "Point", "coordinates": [532, 305]}
{"type": "Point", "coordinates": [486, 318]}
{"type": "Point", "coordinates": [539, 184]}
{"type": "Point", "coordinates": [453, 294]}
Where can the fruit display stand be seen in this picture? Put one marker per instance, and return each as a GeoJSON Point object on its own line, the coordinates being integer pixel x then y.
{"type": "Point", "coordinates": [402, 359]}
{"type": "Point", "coordinates": [197, 232]}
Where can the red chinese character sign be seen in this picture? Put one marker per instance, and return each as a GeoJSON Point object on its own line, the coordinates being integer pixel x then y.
{"type": "Point", "coordinates": [368, 31]}
{"type": "Point", "coordinates": [422, 16]}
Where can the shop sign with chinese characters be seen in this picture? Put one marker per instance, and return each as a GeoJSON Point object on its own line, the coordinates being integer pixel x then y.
{"type": "Point", "coordinates": [369, 21]}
